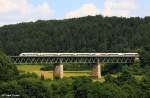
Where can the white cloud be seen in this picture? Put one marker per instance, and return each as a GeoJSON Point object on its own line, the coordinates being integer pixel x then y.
{"type": "Point", "coordinates": [84, 10]}
{"type": "Point", "coordinates": [13, 11]}
{"type": "Point", "coordinates": [119, 7]}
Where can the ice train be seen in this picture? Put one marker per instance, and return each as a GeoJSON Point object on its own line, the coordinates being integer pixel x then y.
{"type": "Point", "coordinates": [79, 54]}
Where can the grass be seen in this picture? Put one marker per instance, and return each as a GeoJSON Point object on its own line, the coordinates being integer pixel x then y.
{"type": "Point", "coordinates": [49, 74]}
{"type": "Point", "coordinates": [29, 68]}
{"type": "Point", "coordinates": [138, 77]}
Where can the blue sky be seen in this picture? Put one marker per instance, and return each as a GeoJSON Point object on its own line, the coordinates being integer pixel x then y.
{"type": "Point", "coordinates": [16, 11]}
{"type": "Point", "coordinates": [63, 6]}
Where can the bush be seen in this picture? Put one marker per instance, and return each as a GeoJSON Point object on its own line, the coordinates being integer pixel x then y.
{"type": "Point", "coordinates": [9, 88]}
{"type": "Point", "coordinates": [81, 87]}
{"type": "Point", "coordinates": [34, 88]}
{"type": "Point", "coordinates": [27, 75]}
{"type": "Point", "coordinates": [62, 89]}
{"type": "Point", "coordinates": [47, 67]}
{"type": "Point", "coordinates": [105, 90]}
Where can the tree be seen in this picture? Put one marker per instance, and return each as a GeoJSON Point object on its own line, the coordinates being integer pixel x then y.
{"type": "Point", "coordinates": [81, 86]}
{"type": "Point", "coordinates": [8, 70]}
{"type": "Point", "coordinates": [146, 83]}
{"type": "Point", "coordinates": [34, 88]}
{"type": "Point", "coordinates": [11, 88]}
{"type": "Point", "coordinates": [145, 57]}
{"type": "Point", "coordinates": [105, 90]}
{"type": "Point", "coordinates": [126, 76]}
{"type": "Point", "coordinates": [87, 34]}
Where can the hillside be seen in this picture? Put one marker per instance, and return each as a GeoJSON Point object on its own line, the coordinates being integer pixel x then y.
{"type": "Point", "coordinates": [87, 34]}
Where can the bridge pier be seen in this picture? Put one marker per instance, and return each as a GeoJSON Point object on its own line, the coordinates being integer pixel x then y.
{"type": "Point", "coordinates": [58, 71]}
{"type": "Point", "coordinates": [96, 72]}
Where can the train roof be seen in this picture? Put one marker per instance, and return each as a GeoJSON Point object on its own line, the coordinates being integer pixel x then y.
{"type": "Point", "coordinates": [79, 53]}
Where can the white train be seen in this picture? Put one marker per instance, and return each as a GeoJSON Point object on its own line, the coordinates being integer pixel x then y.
{"type": "Point", "coordinates": [79, 54]}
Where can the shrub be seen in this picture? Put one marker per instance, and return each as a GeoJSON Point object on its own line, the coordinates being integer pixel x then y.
{"type": "Point", "coordinates": [27, 75]}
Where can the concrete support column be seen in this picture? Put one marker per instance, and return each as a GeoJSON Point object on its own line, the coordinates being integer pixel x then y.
{"type": "Point", "coordinates": [58, 71]}
{"type": "Point", "coordinates": [96, 72]}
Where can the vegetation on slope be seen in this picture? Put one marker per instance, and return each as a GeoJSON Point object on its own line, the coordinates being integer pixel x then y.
{"type": "Point", "coordinates": [124, 86]}
{"type": "Point", "coordinates": [88, 34]}
{"type": "Point", "coordinates": [8, 70]}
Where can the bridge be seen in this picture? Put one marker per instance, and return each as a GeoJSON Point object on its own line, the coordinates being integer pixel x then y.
{"type": "Point", "coordinates": [58, 59]}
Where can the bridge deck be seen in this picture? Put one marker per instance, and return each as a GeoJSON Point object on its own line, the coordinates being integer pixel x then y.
{"type": "Point", "coordinates": [40, 58]}
{"type": "Point", "coordinates": [46, 60]}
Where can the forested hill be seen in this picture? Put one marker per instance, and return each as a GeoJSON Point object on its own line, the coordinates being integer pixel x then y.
{"type": "Point", "coordinates": [87, 34]}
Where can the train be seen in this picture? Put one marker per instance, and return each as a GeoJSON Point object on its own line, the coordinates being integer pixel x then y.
{"type": "Point", "coordinates": [78, 54]}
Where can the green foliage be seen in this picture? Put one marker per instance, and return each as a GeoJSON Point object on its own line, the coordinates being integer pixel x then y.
{"type": "Point", "coordinates": [34, 88]}
{"type": "Point", "coordinates": [27, 75]}
{"type": "Point", "coordinates": [126, 74]}
{"type": "Point", "coordinates": [69, 67]}
{"type": "Point", "coordinates": [145, 55]}
{"type": "Point", "coordinates": [146, 86]}
{"type": "Point", "coordinates": [88, 34]}
{"type": "Point", "coordinates": [62, 89]}
{"type": "Point", "coordinates": [109, 78]}
{"type": "Point", "coordinates": [47, 68]}
{"type": "Point", "coordinates": [9, 88]}
{"type": "Point", "coordinates": [81, 86]}
{"type": "Point", "coordinates": [131, 91]}
{"type": "Point", "coordinates": [111, 68]}
{"type": "Point", "coordinates": [108, 90]}
{"type": "Point", "coordinates": [8, 70]}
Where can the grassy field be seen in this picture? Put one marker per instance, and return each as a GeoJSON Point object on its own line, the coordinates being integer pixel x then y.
{"type": "Point", "coordinates": [49, 74]}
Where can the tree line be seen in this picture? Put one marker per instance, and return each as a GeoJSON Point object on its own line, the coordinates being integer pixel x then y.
{"type": "Point", "coordinates": [88, 34]}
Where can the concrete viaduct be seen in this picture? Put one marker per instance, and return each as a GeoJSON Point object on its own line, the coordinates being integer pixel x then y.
{"type": "Point", "coordinates": [58, 59]}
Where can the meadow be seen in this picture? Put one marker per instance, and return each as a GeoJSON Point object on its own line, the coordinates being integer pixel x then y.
{"type": "Point", "coordinates": [49, 74]}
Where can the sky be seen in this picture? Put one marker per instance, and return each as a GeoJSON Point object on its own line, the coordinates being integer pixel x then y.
{"type": "Point", "coordinates": [17, 11]}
